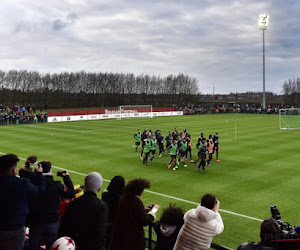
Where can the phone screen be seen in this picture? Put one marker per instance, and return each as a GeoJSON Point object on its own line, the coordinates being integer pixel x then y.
{"type": "Point", "coordinates": [154, 209]}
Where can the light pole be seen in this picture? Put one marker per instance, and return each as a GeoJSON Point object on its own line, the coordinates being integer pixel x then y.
{"type": "Point", "coordinates": [263, 22]}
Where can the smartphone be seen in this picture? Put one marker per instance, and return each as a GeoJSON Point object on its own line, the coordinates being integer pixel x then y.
{"type": "Point", "coordinates": [154, 209]}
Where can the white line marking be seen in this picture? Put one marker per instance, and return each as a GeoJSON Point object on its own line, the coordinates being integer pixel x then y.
{"type": "Point", "coordinates": [59, 129]}
{"type": "Point", "coordinates": [164, 195]}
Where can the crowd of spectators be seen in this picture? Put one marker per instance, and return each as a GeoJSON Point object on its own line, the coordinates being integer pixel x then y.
{"type": "Point", "coordinates": [196, 109]}
{"type": "Point", "coordinates": [116, 221]}
{"type": "Point", "coordinates": [21, 114]}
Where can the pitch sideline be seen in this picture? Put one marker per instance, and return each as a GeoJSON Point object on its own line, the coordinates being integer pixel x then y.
{"type": "Point", "coordinates": [163, 195]}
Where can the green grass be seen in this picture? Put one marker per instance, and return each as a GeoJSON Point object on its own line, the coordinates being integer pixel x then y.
{"type": "Point", "coordinates": [259, 163]}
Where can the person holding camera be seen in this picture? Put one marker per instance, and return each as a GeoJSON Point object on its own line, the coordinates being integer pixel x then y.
{"type": "Point", "coordinates": [45, 208]}
{"type": "Point", "coordinates": [200, 225]}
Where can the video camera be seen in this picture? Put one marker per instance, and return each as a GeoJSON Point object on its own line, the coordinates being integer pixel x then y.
{"type": "Point", "coordinates": [285, 227]}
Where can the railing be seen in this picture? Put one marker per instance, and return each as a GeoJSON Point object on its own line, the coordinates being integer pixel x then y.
{"type": "Point", "coordinates": [150, 242]}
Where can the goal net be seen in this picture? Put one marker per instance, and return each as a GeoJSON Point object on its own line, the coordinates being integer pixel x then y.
{"type": "Point", "coordinates": [135, 111]}
{"type": "Point", "coordinates": [289, 119]}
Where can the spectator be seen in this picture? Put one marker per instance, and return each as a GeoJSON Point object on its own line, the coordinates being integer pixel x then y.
{"type": "Point", "coordinates": [78, 191]}
{"type": "Point", "coordinates": [111, 196]}
{"type": "Point", "coordinates": [272, 237]}
{"type": "Point", "coordinates": [27, 171]}
{"type": "Point", "coordinates": [45, 209]}
{"type": "Point", "coordinates": [200, 225]}
{"type": "Point", "coordinates": [128, 231]}
{"type": "Point", "coordinates": [14, 193]}
{"type": "Point", "coordinates": [86, 217]}
{"type": "Point", "coordinates": [168, 228]}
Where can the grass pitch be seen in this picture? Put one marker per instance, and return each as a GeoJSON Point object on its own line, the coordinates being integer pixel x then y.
{"type": "Point", "coordinates": [258, 168]}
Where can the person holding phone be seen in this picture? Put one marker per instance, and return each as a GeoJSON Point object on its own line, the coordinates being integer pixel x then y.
{"type": "Point", "coordinates": [132, 216]}
{"type": "Point", "coordinates": [204, 222]}
{"type": "Point", "coordinates": [28, 170]}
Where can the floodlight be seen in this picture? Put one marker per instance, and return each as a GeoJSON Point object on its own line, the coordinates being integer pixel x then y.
{"type": "Point", "coordinates": [263, 21]}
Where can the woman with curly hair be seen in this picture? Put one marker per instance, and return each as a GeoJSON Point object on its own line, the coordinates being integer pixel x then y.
{"type": "Point", "coordinates": [131, 217]}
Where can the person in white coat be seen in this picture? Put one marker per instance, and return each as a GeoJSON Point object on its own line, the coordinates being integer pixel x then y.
{"type": "Point", "coordinates": [200, 225]}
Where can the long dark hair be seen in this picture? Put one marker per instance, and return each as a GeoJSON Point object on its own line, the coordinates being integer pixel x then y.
{"type": "Point", "coordinates": [116, 185]}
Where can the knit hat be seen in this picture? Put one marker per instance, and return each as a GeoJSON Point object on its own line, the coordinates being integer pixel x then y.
{"type": "Point", "coordinates": [93, 182]}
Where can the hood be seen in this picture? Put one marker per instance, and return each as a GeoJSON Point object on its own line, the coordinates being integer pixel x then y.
{"type": "Point", "coordinates": [48, 174]}
{"type": "Point", "coordinates": [167, 230]}
{"type": "Point", "coordinates": [205, 214]}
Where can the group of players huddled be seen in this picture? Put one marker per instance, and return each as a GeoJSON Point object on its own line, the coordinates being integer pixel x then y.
{"type": "Point", "coordinates": [179, 147]}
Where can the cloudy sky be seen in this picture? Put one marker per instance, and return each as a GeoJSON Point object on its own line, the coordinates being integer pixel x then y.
{"type": "Point", "coordinates": [217, 42]}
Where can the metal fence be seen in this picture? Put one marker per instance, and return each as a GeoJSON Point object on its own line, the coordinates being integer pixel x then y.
{"type": "Point", "coordinates": [151, 240]}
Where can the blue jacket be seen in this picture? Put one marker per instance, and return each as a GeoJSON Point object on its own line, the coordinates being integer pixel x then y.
{"type": "Point", "coordinates": [14, 195]}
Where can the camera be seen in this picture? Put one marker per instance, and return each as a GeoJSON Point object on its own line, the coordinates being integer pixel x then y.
{"type": "Point", "coordinates": [285, 227]}
{"type": "Point", "coordinates": [61, 173]}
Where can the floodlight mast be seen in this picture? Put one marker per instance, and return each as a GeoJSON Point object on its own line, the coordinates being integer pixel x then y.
{"type": "Point", "coordinates": [263, 23]}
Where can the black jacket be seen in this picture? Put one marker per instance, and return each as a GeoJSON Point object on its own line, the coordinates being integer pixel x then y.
{"type": "Point", "coordinates": [163, 242]}
{"type": "Point", "coordinates": [85, 222]}
{"type": "Point", "coordinates": [14, 195]}
{"type": "Point", "coordinates": [45, 207]}
{"type": "Point", "coordinates": [112, 200]}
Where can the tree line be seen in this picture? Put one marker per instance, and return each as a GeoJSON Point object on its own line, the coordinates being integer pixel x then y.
{"type": "Point", "coordinates": [291, 92]}
{"type": "Point", "coordinates": [85, 89]}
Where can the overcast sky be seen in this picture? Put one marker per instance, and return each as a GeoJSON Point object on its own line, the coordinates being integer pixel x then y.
{"type": "Point", "coordinates": [217, 42]}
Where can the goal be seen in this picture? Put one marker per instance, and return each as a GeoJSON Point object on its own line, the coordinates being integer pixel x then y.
{"type": "Point", "coordinates": [135, 111]}
{"type": "Point", "coordinates": [289, 119]}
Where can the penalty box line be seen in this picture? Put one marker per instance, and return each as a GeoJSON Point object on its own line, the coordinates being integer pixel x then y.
{"type": "Point", "coordinates": [163, 195]}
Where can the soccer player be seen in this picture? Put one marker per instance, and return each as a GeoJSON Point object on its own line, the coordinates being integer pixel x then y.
{"type": "Point", "coordinates": [173, 153]}
{"type": "Point", "coordinates": [210, 149]}
{"type": "Point", "coordinates": [189, 147]}
{"type": "Point", "coordinates": [137, 137]}
{"type": "Point", "coordinates": [201, 137]}
{"type": "Point", "coordinates": [168, 140]}
{"type": "Point", "coordinates": [199, 146]}
{"type": "Point", "coordinates": [202, 153]}
{"type": "Point", "coordinates": [216, 146]}
{"type": "Point", "coordinates": [143, 139]}
{"type": "Point", "coordinates": [175, 135]}
{"type": "Point", "coordinates": [183, 134]}
{"type": "Point", "coordinates": [199, 143]}
{"type": "Point", "coordinates": [160, 141]}
{"type": "Point", "coordinates": [157, 133]}
{"type": "Point", "coordinates": [182, 152]}
{"type": "Point", "coordinates": [147, 148]}
{"type": "Point", "coordinates": [153, 147]}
